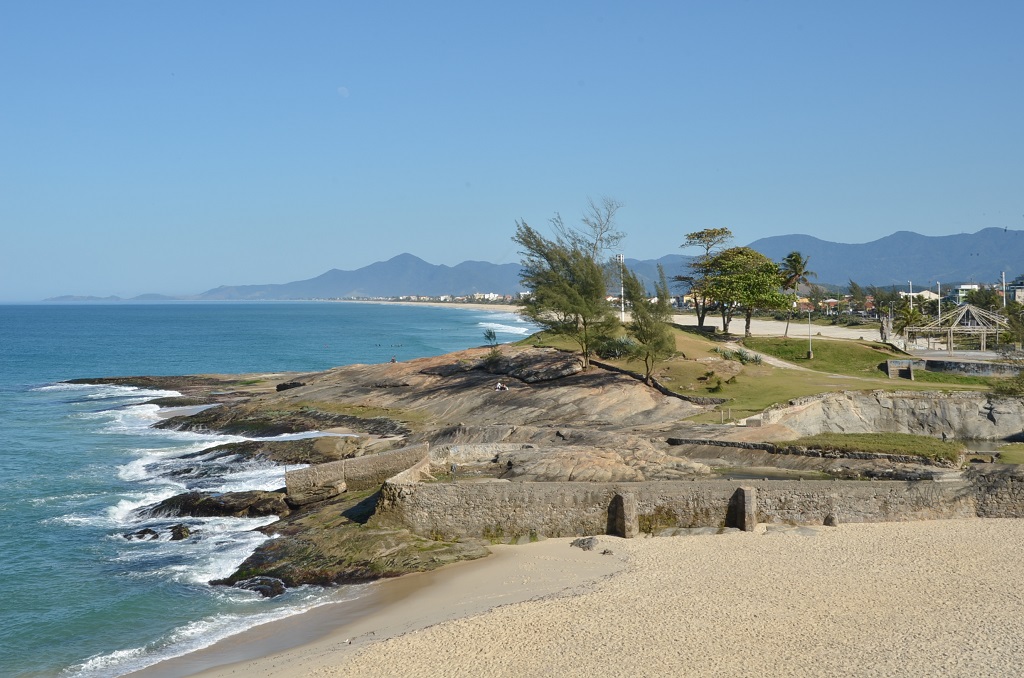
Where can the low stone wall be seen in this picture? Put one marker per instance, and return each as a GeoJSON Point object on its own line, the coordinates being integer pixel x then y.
{"type": "Point", "coordinates": [510, 511]}
{"type": "Point", "coordinates": [316, 483]}
{"type": "Point", "coordinates": [972, 368]}
{"type": "Point", "coordinates": [773, 448]}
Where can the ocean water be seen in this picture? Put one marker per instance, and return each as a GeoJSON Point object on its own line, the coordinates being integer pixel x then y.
{"type": "Point", "coordinates": [77, 462]}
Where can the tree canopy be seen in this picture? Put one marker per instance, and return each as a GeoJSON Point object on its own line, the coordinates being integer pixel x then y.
{"type": "Point", "coordinates": [700, 268]}
{"type": "Point", "coordinates": [794, 273]}
{"type": "Point", "coordinates": [649, 327]}
{"type": "Point", "coordinates": [742, 278]}
{"type": "Point", "coordinates": [568, 288]}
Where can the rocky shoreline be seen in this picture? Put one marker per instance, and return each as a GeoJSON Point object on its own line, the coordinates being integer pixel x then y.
{"type": "Point", "coordinates": [555, 422]}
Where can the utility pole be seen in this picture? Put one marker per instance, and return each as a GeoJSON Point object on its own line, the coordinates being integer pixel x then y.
{"type": "Point", "coordinates": [1004, 289]}
{"type": "Point", "coordinates": [911, 295]}
{"type": "Point", "coordinates": [940, 298]}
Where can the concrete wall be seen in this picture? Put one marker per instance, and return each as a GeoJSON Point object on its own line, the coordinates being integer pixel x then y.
{"type": "Point", "coordinates": [323, 481]}
{"type": "Point", "coordinates": [971, 368]}
{"type": "Point", "coordinates": [507, 511]}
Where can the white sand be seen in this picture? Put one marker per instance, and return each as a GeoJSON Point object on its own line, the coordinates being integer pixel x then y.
{"type": "Point", "coordinates": [511, 575]}
{"type": "Point", "coordinates": [909, 599]}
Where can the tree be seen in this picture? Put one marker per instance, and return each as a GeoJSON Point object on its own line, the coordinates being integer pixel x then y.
{"type": "Point", "coordinates": [985, 297]}
{"type": "Point", "coordinates": [710, 240]}
{"type": "Point", "coordinates": [794, 273]}
{"type": "Point", "coordinates": [816, 295]}
{"type": "Point", "coordinates": [857, 297]}
{"type": "Point", "coordinates": [567, 289]}
{"type": "Point", "coordinates": [741, 278]}
{"type": "Point", "coordinates": [906, 317]}
{"type": "Point", "coordinates": [649, 326]}
{"type": "Point", "coordinates": [596, 234]}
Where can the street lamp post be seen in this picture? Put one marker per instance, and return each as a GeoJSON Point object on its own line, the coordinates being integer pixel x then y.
{"type": "Point", "coordinates": [810, 347]}
{"type": "Point", "coordinates": [622, 289]}
{"type": "Point", "coordinates": [911, 295]}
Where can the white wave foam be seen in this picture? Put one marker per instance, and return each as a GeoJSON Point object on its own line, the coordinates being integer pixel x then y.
{"type": "Point", "coordinates": [253, 478]}
{"type": "Point", "coordinates": [105, 665]}
{"type": "Point", "coordinates": [302, 435]}
{"type": "Point", "coordinates": [78, 496]}
{"type": "Point", "coordinates": [203, 633]}
{"type": "Point", "coordinates": [506, 329]}
{"type": "Point", "coordinates": [122, 513]}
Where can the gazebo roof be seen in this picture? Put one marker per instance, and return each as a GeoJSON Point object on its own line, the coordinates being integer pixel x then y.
{"type": "Point", "coordinates": [963, 319]}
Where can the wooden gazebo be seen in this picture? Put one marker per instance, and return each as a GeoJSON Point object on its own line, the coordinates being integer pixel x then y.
{"type": "Point", "coordinates": [964, 321]}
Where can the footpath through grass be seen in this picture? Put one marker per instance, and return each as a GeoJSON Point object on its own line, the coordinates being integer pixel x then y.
{"type": "Point", "coordinates": [884, 443]}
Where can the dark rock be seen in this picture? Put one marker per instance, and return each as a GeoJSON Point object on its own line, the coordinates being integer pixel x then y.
{"type": "Point", "coordinates": [268, 587]}
{"type": "Point", "coordinates": [146, 534]}
{"type": "Point", "coordinates": [832, 519]}
{"type": "Point", "coordinates": [289, 384]}
{"type": "Point", "coordinates": [179, 532]}
{"type": "Point", "coordinates": [251, 504]}
{"type": "Point", "coordinates": [585, 543]}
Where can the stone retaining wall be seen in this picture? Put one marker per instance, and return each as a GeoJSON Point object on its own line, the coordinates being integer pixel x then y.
{"type": "Point", "coordinates": [510, 511]}
{"type": "Point", "coordinates": [316, 483]}
{"type": "Point", "coordinates": [773, 448]}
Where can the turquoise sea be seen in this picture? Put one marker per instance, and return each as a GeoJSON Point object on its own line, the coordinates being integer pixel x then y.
{"type": "Point", "coordinates": [77, 462]}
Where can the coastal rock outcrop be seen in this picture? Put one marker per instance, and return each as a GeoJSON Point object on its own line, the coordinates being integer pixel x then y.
{"type": "Point", "coordinates": [251, 504]}
{"type": "Point", "coordinates": [964, 416]}
{"type": "Point", "coordinates": [268, 587]}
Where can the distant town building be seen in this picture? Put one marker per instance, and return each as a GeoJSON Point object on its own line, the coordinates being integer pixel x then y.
{"type": "Point", "coordinates": [960, 292]}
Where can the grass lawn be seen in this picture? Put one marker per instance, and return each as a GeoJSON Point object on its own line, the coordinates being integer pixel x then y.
{"type": "Point", "coordinates": [1012, 453]}
{"type": "Point", "coordinates": [884, 443]}
{"type": "Point", "coordinates": [862, 359]}
{"type": "Point", "coordinates": [698, 369]}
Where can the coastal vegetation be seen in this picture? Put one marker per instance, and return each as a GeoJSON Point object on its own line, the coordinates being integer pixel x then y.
{"type": "Point", "coordinates": [884, 443]}
{"type": "Point", "coordinates": [568, 284]}
{"type": "Point", "coordinates": [649, 327]}
{"type": "Point", "coordinates": [1012, 453]}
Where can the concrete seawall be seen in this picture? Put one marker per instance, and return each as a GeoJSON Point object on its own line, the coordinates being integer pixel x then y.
{"type": "Point", "coordinates": [511, 511]}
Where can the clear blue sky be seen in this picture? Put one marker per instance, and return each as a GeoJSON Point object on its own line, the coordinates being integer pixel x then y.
{"type": "Point", "coordinates": [173, 147]}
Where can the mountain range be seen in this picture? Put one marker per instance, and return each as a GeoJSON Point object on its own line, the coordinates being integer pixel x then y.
{"type": "Point", "coordinates": [893, 260]}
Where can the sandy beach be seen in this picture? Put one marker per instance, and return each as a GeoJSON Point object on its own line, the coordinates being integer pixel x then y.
{"type": "Point", "coordinates": [910, 599]}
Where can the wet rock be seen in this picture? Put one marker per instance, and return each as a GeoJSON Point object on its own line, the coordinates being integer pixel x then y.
{"type": "Point", "coordinates": [268, 587]}
{"type": "Point", "coordinates": [180, 532]}
{"type": "Point", "coordinates": [145, 534]}
{"type": "Point", "coordinates": [251, 504]}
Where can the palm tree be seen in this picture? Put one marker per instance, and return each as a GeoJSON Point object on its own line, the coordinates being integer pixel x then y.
{"type": "Point", "coordinates": [907, 317]}
{"type": "Point", "coordinates": [794, 273]}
